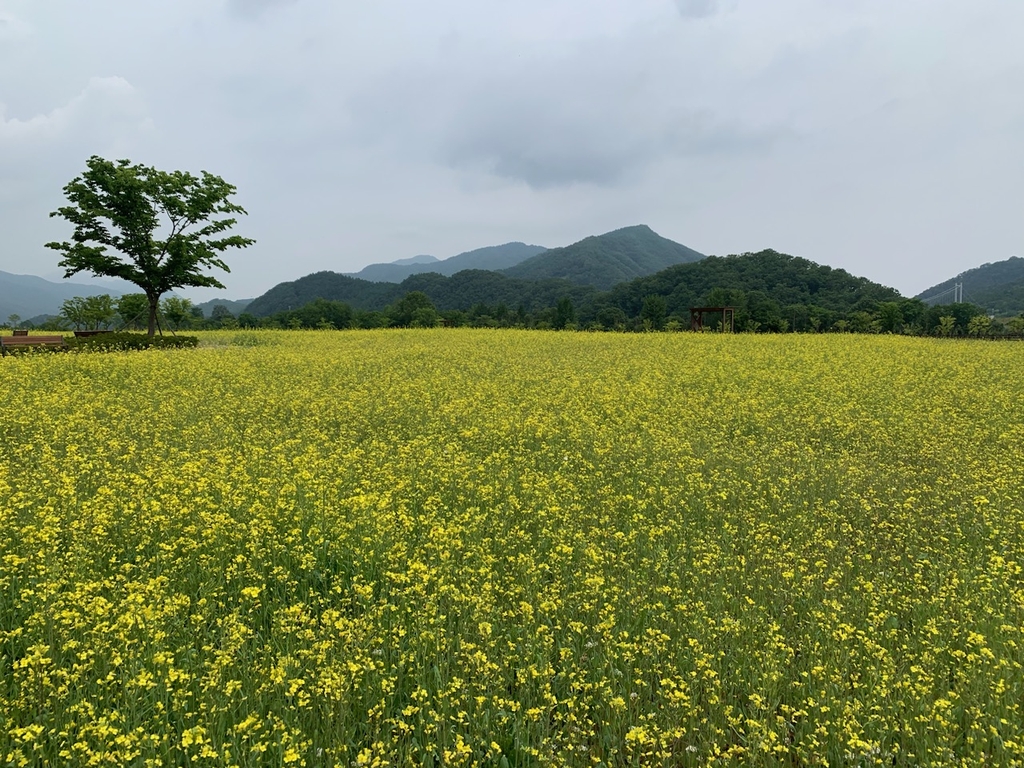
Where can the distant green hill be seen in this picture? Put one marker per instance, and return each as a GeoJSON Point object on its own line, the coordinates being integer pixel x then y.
{"type": "Point", "coordinates": [461, 291]}
{"type": "Point", "coordinates": [234, 306]}
{"type": "Point", "coordinates": [764, 286]}
{"type": "Point", "coordinates": [492, 258]}
{"type": "Point", "coordinates": [359, 294]}
{"type": "Point", "coordinates": [770, 290]}
{"type": "Point", "coordinates": [471, 287]}
{"type": "Point", "coordinates": [606, 260]}
{"type": "Point", "coordinates": [997, 287]}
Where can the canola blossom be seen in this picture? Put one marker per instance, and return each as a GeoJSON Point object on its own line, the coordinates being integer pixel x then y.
{"type": "Point", "coordinates": [476, 547]}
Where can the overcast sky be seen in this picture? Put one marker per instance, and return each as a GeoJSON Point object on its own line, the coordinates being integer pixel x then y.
{"type": "Point", "coordinates": [883, 137]}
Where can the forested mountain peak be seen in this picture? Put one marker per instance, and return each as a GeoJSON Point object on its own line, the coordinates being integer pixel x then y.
{"type": "Point", "coordinates": [606, 260]}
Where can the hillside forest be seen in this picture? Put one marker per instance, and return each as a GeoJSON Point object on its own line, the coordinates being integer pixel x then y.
{"type": "Point", "coordinates": [769, 291]}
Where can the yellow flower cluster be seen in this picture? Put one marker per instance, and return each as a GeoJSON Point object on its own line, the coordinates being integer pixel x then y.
{"type": "Point", "coordinates": [459, 547]}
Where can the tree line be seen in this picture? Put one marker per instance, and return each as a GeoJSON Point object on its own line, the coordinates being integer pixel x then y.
{"type": "Point", "coordinates": [130, 311]}
{"type": "Point", "coordinates": [753, 314]}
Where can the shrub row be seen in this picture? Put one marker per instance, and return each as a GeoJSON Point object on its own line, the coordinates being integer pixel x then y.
{"type": "Point", "coordinates": [117, 342]}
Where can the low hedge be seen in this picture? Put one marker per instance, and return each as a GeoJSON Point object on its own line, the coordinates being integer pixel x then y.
{"type": "Point", "coordinates": [118, 342]}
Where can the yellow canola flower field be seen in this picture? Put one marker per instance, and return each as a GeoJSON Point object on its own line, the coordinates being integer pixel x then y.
{"type": "Point", "coordinates": [474, 547]}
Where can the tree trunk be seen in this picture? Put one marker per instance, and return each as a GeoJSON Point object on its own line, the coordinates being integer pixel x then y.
{"type": "Point", "coordinates": [154, 303]}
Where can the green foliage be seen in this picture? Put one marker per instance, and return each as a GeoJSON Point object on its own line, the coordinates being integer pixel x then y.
{"type": "Point", "coordinates": [932, 322]}
{"type": "Point", "coordinates": [425, 317]}
{"type": "Point", "coordinates": [132, 309]}
{"type": "Point", "coordinates": [565, 313]}
{"type": "Point", "coordinates": [653, 312]}
{"type": "Point", "coordinates": [321, 312]}
{"type": "Point", "coordinates": [766, 287]}
{"type": "Point", "coordinates": [177, 310]}
{"type": "Point", "coordinates": [358, 294]}
{"type": "Point", "coordinates": [370, 320]}
{"type": "Point", "coordinates": [89, 312]}
{"type": "Point", "coordinates": [248, 320]}
{"type": "Point", "coordinates": [460, 291]}
{"type": "Point", "coordinates": [611, 318]}
{"type": "Point", "coordinates": [221, 317]}
{"type": "Point", "coordinates": [979, 325]}
{"type": "Point", "coordinates": [118, 209]}
{"type": "Point", "coordinates": [414, 307]}
{"type": "Point", "coordinates": [864, 322]}
{"type": "Point", "coordinates": [120, 342]}
{"type": "Point", "coordinates": [890, 317]}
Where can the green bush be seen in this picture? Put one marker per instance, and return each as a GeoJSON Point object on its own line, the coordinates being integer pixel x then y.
{"type": "Point", "coordinates": [120, 342]}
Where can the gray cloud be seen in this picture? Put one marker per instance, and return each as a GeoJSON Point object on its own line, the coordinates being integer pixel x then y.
{"type": "Point", "coordinates": [697, 9]}
{"type": "Point", "coordinates": [253, 8]}
{"type": "Point", "coordinates": [592, 115]}
{"type": "Point", "coordinates": [602, 144]}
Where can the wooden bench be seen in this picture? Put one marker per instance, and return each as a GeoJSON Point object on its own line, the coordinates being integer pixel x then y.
{"type": "Point", "coordinates": [10, 343]}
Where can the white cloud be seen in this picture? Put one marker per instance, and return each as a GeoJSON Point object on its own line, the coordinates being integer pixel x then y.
{"type": "Point", "coordinates": [12, 27]}
{"type": "Point", "coordinates": [105, 104]}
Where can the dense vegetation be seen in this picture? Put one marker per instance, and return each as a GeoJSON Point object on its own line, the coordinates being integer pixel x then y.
{"type": "Point", "coordinates": [998, 288]}
{"type": "Point", "coordinates": [771, 292]}
{"type": "Point", "coordinates": [497, 548]}
{"type": "Point", "coordinates": [606, 260]}
{"type": "Point", "coordinates": [460, 291]}
{"type": "Point", "coordinates": [360, 294]}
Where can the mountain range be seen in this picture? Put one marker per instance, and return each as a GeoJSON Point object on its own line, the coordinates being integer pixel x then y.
{"type": "Point", "coordinates": [618, 267]}
{"type": "Point", "coordinates": [538, 277]}
{"type": "Point", "coordinates": [610, 276]}
{"type": "Point", "coordinates": [35, 299]}
{"type": "Point", "coordinates": [28, 296]}
{"type": "Point", "coordinates": [494, 257]}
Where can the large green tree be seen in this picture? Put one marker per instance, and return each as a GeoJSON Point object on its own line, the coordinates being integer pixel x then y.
{"type": "Point", "coordinates": [159, 230]}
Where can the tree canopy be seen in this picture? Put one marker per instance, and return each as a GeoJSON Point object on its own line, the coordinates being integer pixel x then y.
{"type": "Point", "coordinates": [156, 229]}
